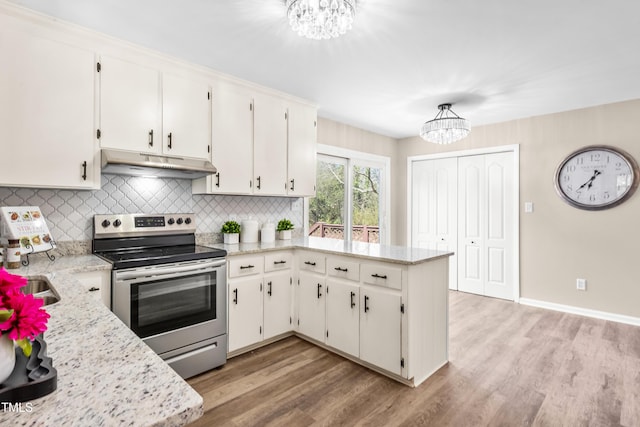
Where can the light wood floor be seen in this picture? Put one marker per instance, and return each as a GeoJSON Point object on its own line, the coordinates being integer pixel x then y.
{"type": "Point", "coordinates": [510, 365]}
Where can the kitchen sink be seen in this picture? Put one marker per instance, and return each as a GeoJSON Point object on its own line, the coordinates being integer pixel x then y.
{"type": "Point", "coordinates": [40, 287]}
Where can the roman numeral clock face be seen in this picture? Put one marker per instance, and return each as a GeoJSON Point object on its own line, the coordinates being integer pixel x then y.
{"type": "Point", "coordinates": [596, 177]}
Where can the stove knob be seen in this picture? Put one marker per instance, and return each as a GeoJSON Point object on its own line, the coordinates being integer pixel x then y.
{"type": "Point", "coordinates": [106, 223]}
{"type": "Point", "coordinates": [179, 221]}
{"type": "Point", "coordinates": [117, 223]}
{"type": "Point", "coordinates": [187, 221]}
{"type": "Point", "coordinates": [171, 221]}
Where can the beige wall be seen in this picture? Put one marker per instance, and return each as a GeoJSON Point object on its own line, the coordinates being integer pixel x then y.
{"type": "Point", "coordinates": [559, 243]}
{"type": "Point", "coordinates": [352, 138]}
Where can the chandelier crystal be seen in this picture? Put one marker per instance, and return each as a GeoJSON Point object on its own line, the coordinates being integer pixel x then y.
{"type": "Point", "coordinates": [321, 19]}
{"type": "Point", "coordinates": [445, 128]}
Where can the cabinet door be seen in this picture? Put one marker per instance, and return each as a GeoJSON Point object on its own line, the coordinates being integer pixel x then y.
{"type": "Point", "coordinates": [277, 304]}
{"type": "Point", "coordinates": [186, 117]}
{"type": "Point", "coordinates": [129, 106]}
{"type": "Point", "coordinates": [343, 316]}
{"type": "Point", "coordinates": [380, 328]}
{"type": "Point", "coordinates": [301, 150]}
{"type": "Point", "coordinates": [47, 109]}
{"type": "Point", "coordinates": [269, 146]}
{"type": "Point", "coordinates": [232, 141]}
{"type": "Point", "coordinates": [245, 312]}
{"type": "Point", "coordinates": [311, 306]}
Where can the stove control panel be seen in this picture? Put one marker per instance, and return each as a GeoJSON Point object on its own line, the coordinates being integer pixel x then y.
{"type": "Point", "coordinates": [127, 225]}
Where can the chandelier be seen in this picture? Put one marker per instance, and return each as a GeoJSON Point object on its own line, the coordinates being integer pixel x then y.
{"type": "Point", "coordinates": [321, 19]}
{"type": "Point", "coordinates": [445, 128]}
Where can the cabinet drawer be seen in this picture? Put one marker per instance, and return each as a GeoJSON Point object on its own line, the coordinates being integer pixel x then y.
{"type": "Point", "coordinates": [245, 266]}
{"type": "Point", "coordinates": [346, 269]}
{"type": "Point", "coordinates": [311, 261]}
{"type": "Point", "coordinates": [277, 261]}
{"type": "Point", "coordinates": [382, 275]}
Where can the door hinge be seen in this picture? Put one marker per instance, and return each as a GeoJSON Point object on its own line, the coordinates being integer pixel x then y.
{"type": "Point", "coordinates": [261, 332]}
{"type": "Point", "coordinates": [98, 133]}
{"type": "Point", "coordinates": [208, 95]}
{"type": "Point", "coordinates": [315, 123]}
{"type": "Point", "coordinates": [327, 289]}
{"type": "Point", "coordinates": [291, 280]}
{"type": "Point", "coordinates": [260, 287]}
{"type": "Point", "coordinates": [401, 308]}
{"type": "Point", "coordinates": [402, 362]}
{"type": "Point", "coordinates": [208, 148]}
{"type": "Point", "coordinates": [285, 116]}
{"type": "Point", "coordinates": [298, 322]}
{"type": "Point", "coordinates": [98, 67]}
{"type": "Point", "coordinates": [327, 333]}
{"type": "Point", "coordinates": [250, 107]}
{"type": "Point", "coordinates": [290, 320]}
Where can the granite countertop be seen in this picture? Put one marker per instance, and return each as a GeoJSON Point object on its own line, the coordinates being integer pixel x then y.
{"type": "Point", "coordinates": [106, 375]}
{"type": "Point", "coordinates": [373, 251]}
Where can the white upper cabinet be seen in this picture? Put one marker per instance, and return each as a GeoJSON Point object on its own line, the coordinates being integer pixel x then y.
{"type": "Point", "coordinates": [130, 106]}
{"type": "Point", "coordinates": [269, 146]}
{"type": "Point", "coordinates": [47, 105]}
{"type": "Point", "coordinates": [186, 116]}
{"type": "Point", "coordinates": [301, 150]}
{"type": "Point", "coordinates": [262, 144]}
{"type": "Point", "coordinates": [232, 142]}
{"type": "Point", "coordinates": [145, 110]}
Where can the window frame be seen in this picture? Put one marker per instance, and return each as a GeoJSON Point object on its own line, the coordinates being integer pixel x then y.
{"type": "Point", "coordinates": [359, 158]}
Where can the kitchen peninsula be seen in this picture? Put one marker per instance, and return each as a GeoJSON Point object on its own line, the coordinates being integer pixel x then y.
{"type": "Point", "coordinates": [385, 307]}
{"type": "Point", "coordinates": [105, 374]}
{"type": "Point", "coordinates": [108, 376]}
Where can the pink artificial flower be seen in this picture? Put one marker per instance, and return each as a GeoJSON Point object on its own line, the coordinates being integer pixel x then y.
{"type": "Point", "coordinates": [27, 319]}
{"type": "Point", "coordinates": [9, 284]}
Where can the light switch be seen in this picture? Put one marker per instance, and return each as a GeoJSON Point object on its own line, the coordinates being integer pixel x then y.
{"type": "Point", "coordinates": [528, 207]}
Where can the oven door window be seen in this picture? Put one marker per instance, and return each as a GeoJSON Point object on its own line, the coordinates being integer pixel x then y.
{"type": "Point", "coordinates": [169, 304]}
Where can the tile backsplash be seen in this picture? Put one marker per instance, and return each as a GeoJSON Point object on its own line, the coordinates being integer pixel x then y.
{"type": "Point", "coordinates": [69, 213]}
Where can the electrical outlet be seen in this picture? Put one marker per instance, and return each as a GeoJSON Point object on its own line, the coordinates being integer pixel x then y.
{"type": "Point", "coordinates": [581, 284]}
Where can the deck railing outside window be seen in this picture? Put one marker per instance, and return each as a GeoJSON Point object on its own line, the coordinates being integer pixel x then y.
{"type": "Point", "coordinates": [360, 233]}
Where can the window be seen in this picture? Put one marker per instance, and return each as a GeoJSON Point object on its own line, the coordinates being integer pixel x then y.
{"type": "Point", "coordinates": [351, 201]}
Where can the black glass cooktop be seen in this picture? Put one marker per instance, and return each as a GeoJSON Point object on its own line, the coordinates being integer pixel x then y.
{"type": "Point", "coordinates": [141, 257]}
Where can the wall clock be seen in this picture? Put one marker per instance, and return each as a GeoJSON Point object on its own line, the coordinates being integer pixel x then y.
{"type": "Point", "coordinates": [597, 177]}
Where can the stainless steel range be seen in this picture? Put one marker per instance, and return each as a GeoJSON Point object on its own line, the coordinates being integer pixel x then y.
{"type": "Point", "coordinates": [168, 290]}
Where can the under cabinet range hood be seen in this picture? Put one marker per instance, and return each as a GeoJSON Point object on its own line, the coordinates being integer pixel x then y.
{"type": "Point", "coordinates": [120, 162]}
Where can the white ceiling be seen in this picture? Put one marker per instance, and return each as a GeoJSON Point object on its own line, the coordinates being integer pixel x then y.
{"type": "Point", "coordinates": [495, 60]}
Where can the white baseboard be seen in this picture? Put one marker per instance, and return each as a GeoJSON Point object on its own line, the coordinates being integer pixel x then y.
{"type": "Point", "coordinates": [620, 318]}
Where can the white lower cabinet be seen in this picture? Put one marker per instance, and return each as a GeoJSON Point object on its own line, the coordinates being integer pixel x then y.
{"type": "Point", "coordinates": [277, 304]}
{"type": "Point", "coordinates": [259, 298]}
{"type": "Point", "coordinates": [381, 328]}
{"type": "Point", "coordinates": [245, 312]}
{"type": "Point", "coordinates": [311, 305]}
{"type": "Point", "coordinates": [389, 316]}
{"type": "Point", "coordinates": [343, 316]}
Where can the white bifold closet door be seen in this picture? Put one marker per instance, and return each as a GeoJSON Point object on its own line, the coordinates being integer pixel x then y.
{"type": "Point", "coordinates": [434, 216]}
{"type": "Point", "coordinates": [485, 225]}
{"type": "Point", "coordinates": [466, 205]}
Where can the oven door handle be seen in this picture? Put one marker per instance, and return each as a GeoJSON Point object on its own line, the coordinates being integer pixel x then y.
{"type": "Point", "coordinates": [164, 271]}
